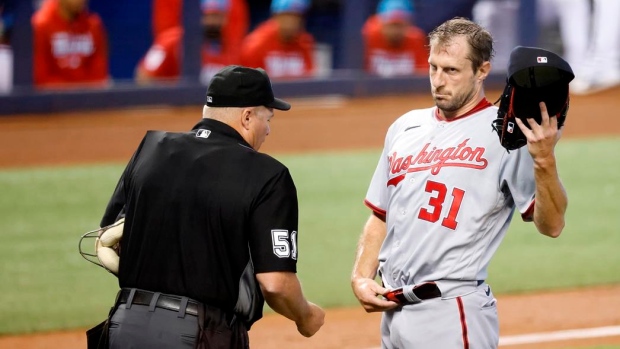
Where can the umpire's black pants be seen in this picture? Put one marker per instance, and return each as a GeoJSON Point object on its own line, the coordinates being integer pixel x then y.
{"type": "Point", "coordinates": [142, 326]}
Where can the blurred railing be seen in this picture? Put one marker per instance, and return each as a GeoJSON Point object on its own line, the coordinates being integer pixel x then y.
{"type": "Point", "coordinates": [347, 79]}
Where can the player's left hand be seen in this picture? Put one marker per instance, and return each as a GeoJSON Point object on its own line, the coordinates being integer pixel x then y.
{"type": "Point", "coordinates": [541, 139]}
{"type": "Point", "coordinates": [367, 291]}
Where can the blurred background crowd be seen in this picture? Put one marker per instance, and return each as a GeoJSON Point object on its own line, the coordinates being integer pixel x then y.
{"type": "Point", "coordinates": [96, 43]}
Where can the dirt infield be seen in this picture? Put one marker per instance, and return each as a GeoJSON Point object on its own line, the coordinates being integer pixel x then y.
{"type": "Point", "coordinates": [312, 125]}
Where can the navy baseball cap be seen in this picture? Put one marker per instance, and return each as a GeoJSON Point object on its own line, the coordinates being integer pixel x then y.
{"type": "Point", "coordinates": [238, 86]}
{"type": "Point", "coordinates": [538, 75]}
{"type": "Point", "coordinates": [533, 67]}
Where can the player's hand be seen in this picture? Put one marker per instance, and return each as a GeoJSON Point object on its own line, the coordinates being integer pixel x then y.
{"type": "Point", "coordinates": [367, 292]}
{"type": "Point", "coordinates": [541, 139]}
{"type": "Point", "coordinates": [310, 324]}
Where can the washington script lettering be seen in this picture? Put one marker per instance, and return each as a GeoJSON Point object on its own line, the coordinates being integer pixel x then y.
{"type": "Point", "coordinates": [435, 159]}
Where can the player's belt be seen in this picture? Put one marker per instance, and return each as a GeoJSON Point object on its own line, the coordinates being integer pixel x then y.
{"type": "Point", "coordinates": [414, 294]}
{"type": "Point", "coordinates": [164, 301]}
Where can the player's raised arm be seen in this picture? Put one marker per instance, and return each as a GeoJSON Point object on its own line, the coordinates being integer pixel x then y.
{"type": "Point", "coordinates": [551, 199]}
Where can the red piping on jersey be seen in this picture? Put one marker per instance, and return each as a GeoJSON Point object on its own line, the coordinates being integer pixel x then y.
{"type": "Point", "coordinates": [483, 104]}
{"type": "Point", "coordinates": [459, 301]}
{"type": "Point", "coordinates": [375, 208]}
{"type": "Point", "coordinates": [528, 215]}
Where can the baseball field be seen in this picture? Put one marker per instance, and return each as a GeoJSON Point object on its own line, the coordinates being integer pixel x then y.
{"type": "Point", "coordinates": [57, 172]}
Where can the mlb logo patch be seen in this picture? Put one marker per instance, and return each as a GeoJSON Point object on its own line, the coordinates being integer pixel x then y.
{"type": "Point", "coordinates": [209, 99]}
{"type": "Point", "coordinates": [511, 127]}
{"type": "Point", "coordinates": [203, 133]}
{"type": "Point", "coordinates": [541, 59]}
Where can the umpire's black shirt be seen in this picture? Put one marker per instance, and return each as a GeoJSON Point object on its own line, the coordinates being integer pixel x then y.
{"type": "Point", "coordinates": [197, 206]}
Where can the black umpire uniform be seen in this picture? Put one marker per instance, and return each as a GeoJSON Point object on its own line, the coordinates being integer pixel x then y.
{"type": "Point", "coordinates": [203, 213]}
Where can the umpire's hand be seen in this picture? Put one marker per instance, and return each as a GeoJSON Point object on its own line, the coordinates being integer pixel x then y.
{"type": "Point", "coordinates": [311, 323]}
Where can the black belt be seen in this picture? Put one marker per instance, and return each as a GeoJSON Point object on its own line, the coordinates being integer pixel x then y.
{"type": "Point", "coordinates": [422, 292]}
{"type": "Point", "coordinates": [164, 301]}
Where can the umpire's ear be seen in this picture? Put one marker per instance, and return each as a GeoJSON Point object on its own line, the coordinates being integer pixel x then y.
{"type": "Point", "coordinates": [246, 117]}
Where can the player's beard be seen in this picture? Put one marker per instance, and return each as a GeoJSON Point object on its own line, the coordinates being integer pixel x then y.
{"type": "Point", "coordinates": [455, 102]}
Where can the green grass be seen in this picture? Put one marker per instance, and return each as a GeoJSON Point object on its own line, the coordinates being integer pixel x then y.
{"type": "Point", "coordinates": [46, 284]}
{"type": "Point", "coordinates": [587, 251]}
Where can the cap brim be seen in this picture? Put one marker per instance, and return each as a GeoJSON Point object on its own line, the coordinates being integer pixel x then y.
{"type": "Point", "coordinates": [278, 104]}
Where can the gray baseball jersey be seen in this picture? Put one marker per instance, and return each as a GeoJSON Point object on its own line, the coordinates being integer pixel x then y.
{"type": "Point", "coordinates": [448, 191]}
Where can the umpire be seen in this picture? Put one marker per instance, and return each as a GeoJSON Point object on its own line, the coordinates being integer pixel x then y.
{"type": "Point", "coordinates": [210, 228]}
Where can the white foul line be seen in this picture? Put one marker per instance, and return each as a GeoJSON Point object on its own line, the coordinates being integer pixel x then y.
{"type": "Point", "coordinates": [608, 331]}
{"type": "Point", "coordinates": [560, 335]}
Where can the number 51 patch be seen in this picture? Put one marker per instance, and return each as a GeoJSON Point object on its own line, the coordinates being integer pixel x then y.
{"type": "Point", "coordinates": [284, 245]}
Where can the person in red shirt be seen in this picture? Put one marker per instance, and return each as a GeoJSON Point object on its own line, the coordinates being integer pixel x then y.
{"type": "Point", "coordinates": [167, 14]}
{"type": "Point", "coordinates": [281, 45]}
{"type": "Point", "coordinates": [393, 45]}
{"type": "Point", "coordinates": [162, 62]}
{"type": "Point", "coordinates": [70, 45]}
{"type": "Point", "coordinates": [220, 44]}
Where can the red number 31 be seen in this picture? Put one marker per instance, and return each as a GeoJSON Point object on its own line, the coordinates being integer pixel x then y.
{"type": "Point", "coordinates": [437, 203]}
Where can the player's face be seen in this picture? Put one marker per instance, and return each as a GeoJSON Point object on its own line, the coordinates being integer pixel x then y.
{"type": "Point", "coordinates": [212, 24]}
{"type": "Point", "coordinates": [290, 25]}
{"type": "Point", "coordinates": [453, 81]}
{"type": "Point", "coordinates": [394, 32]}
{"type": "Point", "coordinates": [73, 7]}
{"type": "Point", "coordinates": [261, 126]}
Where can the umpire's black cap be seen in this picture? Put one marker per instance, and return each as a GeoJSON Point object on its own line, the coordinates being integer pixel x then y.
{"type": "Point", "coordinates": [538, 75]}
{"type": "Point", "coordinates": [238, 86]}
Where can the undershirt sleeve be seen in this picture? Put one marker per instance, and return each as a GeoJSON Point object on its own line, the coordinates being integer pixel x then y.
{"type": "Point", "coordinates": [517, 174]}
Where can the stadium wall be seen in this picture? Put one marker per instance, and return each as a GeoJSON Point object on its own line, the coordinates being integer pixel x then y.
{"type": "Point", "coordinates": [346, 78]}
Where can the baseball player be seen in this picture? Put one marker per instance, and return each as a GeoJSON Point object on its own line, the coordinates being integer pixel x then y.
{"type": "Point", "coordinates": [393, 45]}
{"type": "Point", "coordinates": [281, 45]}
{"type": "Point", "coordinates": [70, 45]}
{"type": "Point", "coordinates": [442, 197]}
{"type": "Point", "coordinates": [210, 229]}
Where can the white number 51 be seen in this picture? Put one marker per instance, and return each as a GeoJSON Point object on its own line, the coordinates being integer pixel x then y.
{"type": "Point", "coordinates": [282, 246]}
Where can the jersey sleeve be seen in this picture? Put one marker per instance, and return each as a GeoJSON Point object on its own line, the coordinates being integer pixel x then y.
{"type": "Point", "coordinates": [377, 194]}
{"type": "Point", "coordinates": [162, 58]}
{"type": "Point", "coordinates": [252, 53]}
{"type": "Point", "coordinates": [99, 64]}
{"type": "Point", "coordinates": [307, 44]}
{"type": "Point", "coordinates": [420, 50]}
{"type": "Point", "coordinates": [273, 231]}
{"type": "Point", "coordinates": [369, 29]}
{"type": "Point", "coordinates": [115, 208]}
{"type": "Point", "coordinates": [517, 175]}
{"type": "Point", "coordinates": [166, 14]}
{"type": "Point", "coordinates": [237, 26]}
{"type": "Point", "coordinates": [42, 56]}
